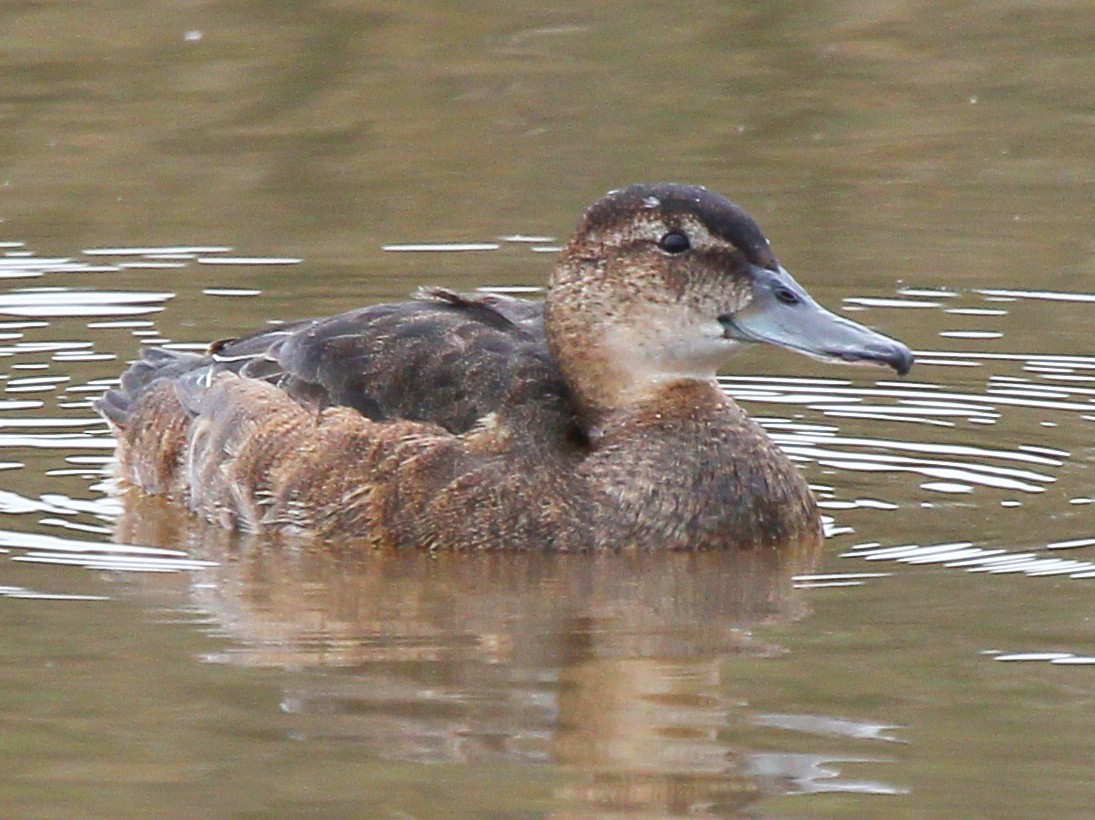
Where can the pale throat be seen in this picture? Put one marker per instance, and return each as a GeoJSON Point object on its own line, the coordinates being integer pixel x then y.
{"type": "Point", "coordinates": [639, 360]}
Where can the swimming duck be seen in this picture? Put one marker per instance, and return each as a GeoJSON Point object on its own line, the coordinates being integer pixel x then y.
{"type": "Point", "coordinates": [589, 421]}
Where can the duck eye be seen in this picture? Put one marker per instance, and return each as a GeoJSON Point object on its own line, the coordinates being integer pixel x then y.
{"type": "Point", "coordinates": [787, 296]}
{"type": "Point", "coordinates": [674, 242]}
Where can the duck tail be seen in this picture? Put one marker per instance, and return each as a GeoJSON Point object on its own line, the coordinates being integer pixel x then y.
{"type": "Point", "coordinates": [116, 405]}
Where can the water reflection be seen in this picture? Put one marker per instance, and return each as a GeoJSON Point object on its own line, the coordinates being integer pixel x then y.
{"type": "Point", "coordinates": [610, 664]}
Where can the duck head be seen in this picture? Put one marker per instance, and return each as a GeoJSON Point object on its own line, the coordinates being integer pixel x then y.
{"type": "Point", "coordinates": [661, 283]}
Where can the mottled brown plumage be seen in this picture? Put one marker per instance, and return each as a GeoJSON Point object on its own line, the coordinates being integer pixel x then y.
{"type": "Point", "coordinates": [485, 422]}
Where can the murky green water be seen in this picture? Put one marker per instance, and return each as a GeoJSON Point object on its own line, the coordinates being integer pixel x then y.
{"type": "Point", "coordinates": [176, 172]}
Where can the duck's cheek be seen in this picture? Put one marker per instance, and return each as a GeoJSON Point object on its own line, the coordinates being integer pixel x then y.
{"type": "Point", "coordinates": [702, 346]}
{"type": "Point", "coordinates": [658, 349]}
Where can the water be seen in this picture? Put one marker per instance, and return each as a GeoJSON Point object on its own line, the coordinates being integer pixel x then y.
{"type": "Point", "coordinates": [193, 172]}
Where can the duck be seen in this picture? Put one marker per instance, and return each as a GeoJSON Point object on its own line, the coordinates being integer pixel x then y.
{"type": "Point", "coordinates": [588, 421]}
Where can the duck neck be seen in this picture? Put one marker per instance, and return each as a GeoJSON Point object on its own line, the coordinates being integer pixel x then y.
{"type": "Point", "coordinates": [607, 349]}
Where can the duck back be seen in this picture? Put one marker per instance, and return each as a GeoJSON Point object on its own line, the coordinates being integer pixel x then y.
{"type": "Point", "coordinates": [445, 358]}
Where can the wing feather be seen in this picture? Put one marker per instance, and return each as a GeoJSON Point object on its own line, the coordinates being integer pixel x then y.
{"type": "Point", "coordinates": [444, 358]}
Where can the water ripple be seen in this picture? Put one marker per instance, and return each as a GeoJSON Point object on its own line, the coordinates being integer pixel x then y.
{"type": "Point", "coordinates": [964, 555]}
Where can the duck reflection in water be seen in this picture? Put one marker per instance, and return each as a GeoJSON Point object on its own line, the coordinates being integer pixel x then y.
{"type": "Point", "coordinates": [617, 669]}
{"type": "Point", "coordinates": [591, 421]}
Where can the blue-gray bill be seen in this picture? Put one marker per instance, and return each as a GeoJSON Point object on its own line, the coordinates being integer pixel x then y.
{"type": "Point", "coordinates": [782, 313]}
